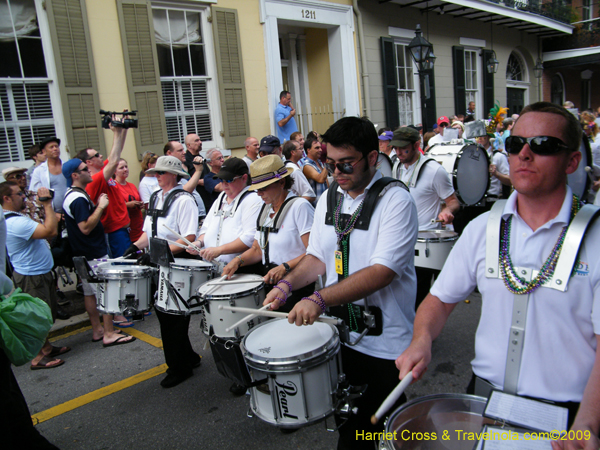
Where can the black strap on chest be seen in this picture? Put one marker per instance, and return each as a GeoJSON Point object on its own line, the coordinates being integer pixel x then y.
{"type": "Point", "coordinates": [81, 191]}
{"type": "Point", "coordinates": [8, 215]}
{"type": "Point", "coordinates": [277, 221]}
{"type": "Point", "coordinates": [156, 213]}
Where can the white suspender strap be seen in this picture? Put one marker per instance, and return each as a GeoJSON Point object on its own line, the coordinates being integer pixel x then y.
{"type": "Point", "coordinates": [492, 240]}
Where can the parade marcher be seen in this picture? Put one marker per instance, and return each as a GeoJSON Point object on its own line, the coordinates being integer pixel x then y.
{"type": "Point", "coordinates": [176, 208]}
{"type": "Point", "coordinates": [293, 153]}
{"type": "Point", "coordinates": [283, 226]}
{"type": "Point", "coordinates": [384, 145]}
{"type": "Point", "coordinates": [312, 167]}
{"type": "Point", "coordinates": [87, 239]}
{"type": "Point", "coordinates": [558, 352]}
{"type": "Point", "coordinates": [31, 258]}
{"type": "Point", "coordinates": [49, 173]}
{"type": "Point", "coordinates": [363, 255]}
{"type": "Point", "coordinates": [429, 185]}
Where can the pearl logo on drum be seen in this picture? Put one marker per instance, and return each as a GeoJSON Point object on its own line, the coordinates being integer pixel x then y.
{"type": "Point", "coordinates": [283, 391]}
{"type": "Point", "coordinates": [266, 350]}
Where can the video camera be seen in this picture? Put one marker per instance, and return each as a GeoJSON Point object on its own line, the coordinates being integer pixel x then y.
{"type": "Point", "coordinates": [125, 122]}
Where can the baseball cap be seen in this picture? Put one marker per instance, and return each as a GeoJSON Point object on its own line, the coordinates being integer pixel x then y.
{"type": "Point", "coordinates": [69, 167]}
{"type": "Point", "coordinates": [234, 167]}
{"type": "Point", "coordinates": [386, 136]}
{"type": "Point", "coordinates": [268, 144]}
{"type": "Point", "coordinates": [405, 136]}
{"type": "Point", "coordinates": [443, 119]}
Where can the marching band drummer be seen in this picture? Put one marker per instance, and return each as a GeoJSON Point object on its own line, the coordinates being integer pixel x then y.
{"type": "Point", "coordinates": [552, 352]}
{"type": "Point", "coordinates": [177, 209]}
{"type": "Point", "coordinates": [230, 225]}
{"type": "Point", "coordinates": [283, 226]}
{"type": "Point", "coordinates": [355, 241]}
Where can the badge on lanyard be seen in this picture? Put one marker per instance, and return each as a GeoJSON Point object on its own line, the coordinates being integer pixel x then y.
{"type": "Point", "coordinates": [339, 265]}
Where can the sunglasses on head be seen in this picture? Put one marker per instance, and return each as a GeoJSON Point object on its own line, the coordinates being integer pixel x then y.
{"type": "Point", "coordinates": [540, 145]}
{"type": "Point", "coordinates": [346, 167]}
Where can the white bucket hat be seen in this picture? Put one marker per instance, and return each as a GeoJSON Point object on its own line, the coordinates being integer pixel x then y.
{"type": "Point", "coordinates": [169, 164]}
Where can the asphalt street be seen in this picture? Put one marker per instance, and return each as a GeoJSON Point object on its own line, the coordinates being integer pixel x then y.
{"type": "Point", "coordinates": [110, 398]}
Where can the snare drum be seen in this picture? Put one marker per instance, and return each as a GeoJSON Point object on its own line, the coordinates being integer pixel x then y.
{"type": "Point", "coordinates": [299, 366]}
{"type": "Point", "coordinates": [433, 247]}
{"type": "Point", "coordinates": [125, 288]}
{"type": "Point", "coordinates": [384, 164]}
{"type": "Point", "coordinates": [245, 290]}
{"type": "Point", "coordinates": [434, 414]}
{"type": "Point", "coordinates": [178, 283]}
{"type": "Point", "coordinates": [580, 181]}
{"type": "Point", "coordinates": [468, 166]}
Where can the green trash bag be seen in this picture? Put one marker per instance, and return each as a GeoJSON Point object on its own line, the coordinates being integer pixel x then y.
{"type": "Point", "coordinates": [24, 325]}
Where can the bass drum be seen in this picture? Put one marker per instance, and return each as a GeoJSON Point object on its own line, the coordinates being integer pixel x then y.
{"type": "Point", "coordinates": [384, 164]}
{"type": "Point", "coordinates": [468, 166]}
{"type": "Point", "coordinates": [579, 180]}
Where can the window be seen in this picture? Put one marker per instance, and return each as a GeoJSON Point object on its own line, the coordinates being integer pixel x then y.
{"type": "Point", "coordinates": [25, 108]}
{"type": "Point", "coordinates": [471, 77]}
{"type": "Point", "coordinates": [408, 97]}
{"type": "Point", "coordinates": [557, 90]}
{"type": "Point", "coordinates": [514, 69]}
{"type": "Point", "coordinates": [183, 73]}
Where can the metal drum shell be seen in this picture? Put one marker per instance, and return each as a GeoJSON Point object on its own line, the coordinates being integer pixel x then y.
{"type": "Point", "coordinates": [438, 243]}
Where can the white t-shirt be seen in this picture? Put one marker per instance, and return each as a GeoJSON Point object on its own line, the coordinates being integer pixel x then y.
{"type": "Point", "coordinates": [437, 139]}
{"type": "Point", "coordinates": [433, 186]}
{"type": "Point", "coordinates": [561, 328]}
{"type": "Point", "coordinates": [241, 225]}
{"type": "Point", "coordinates": [287, 244]}
{"type": "Point", "coordinates": [301, 186]}
{"type": "Point", "coordinates": [147, 186]}
{"type": "Point", "coordinates": [182, 217]}
{"type": "Point", "coordinates": [381, 244]}
{"type": "Point", "coordinates": [501, 161]}
{"type": "Point", "coordinates": [247, 160]}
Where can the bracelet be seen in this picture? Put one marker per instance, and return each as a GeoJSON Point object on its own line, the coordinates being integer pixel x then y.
{"type": "Point", "coordinates": [281, 300]}
{"type": "Point", "coordinates": [241, 260]}
{"type": "Point", "coordinates": [284, 293]}
{"type": "Point", "coordinates": [314, 301]}
{"type": "Point", "coordinates": [286, 282]}
{"type": "Point", "coordinates": [318, 295]}
{"type": "Point", "coordinates": [287, 267]}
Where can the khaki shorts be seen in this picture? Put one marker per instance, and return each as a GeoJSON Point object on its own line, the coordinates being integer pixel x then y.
{"type": "Point", "coordinates": [40, 286]}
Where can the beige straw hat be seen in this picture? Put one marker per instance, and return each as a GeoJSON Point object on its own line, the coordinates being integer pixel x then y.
{"type": "Point", "coordinates": [267, 170]}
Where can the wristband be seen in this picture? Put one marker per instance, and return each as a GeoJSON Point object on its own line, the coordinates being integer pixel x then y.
{"type": "Point", "coordinates": [286, 282]}
{"type": "Point", "coordinates": [284, 293]}
{"type": "Point", "coordinates": [318, 295]}
{"type": "Point", "coordinates": [241, 260]}
{"type": "Point", "coordinates": [287, 267]}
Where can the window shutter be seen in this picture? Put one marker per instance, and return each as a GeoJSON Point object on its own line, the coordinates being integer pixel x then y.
{"type": "Point", "coordinates": [76, 74]}
{"type": "Point", "coordinates": [143, 78]}
{"type": "Point", "coordinates": [488, 83]}
{"type": "Point", "coordinates": [430, 112]}
{"type": "Point", "coordinates": [232, 90]}
{"type": "Point", "coordinates": [390, 83]}
{"type": "Point", "coordinates": [458, 64]}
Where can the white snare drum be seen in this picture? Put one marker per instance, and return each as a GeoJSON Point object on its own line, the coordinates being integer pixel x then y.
{"type": "Point", "coordinates": [468, 166]}
{"type": "Point", "coordinates": [384, 164]}
{"type": "Point", "coordinates": [433, 247]}
{"type": "Point", "coordinates": [243, 290]}
{"type": "Point", "coordinates": [433, 414]}
{"type": "Point", "coordinates": [177, 286]}
{"type": "Point", "coordinates": [579, 181]}
{"type": "Point", "coordinates": [125, 288]}
{"type": "Point", "coordinates": [300, 366]}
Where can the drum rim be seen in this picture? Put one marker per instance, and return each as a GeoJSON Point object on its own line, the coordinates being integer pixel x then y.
{"type": "Point", "coordinates": [307, 360]}
{"type": "Point", "coordinates": [438, 239]}
{"type": "Point", "coordinates": [140, 272]}
{"type": "Point", "coordinates": [225, 297]}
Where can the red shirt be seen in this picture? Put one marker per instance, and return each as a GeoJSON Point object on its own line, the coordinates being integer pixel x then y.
{"type": "Point", "coordinates": [130, 193]}
{"type": "Point", "coordinates": [116, 215]}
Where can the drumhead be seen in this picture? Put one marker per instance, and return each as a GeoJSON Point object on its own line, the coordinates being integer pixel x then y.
{"type": "Point", "coordinates": [579, 180]}
{"type": "Point", "coordinates": [109, 270]}
{"type": "Point", "coordinates": [280, 340]}
{"type": "Point", "coordinates": [219, 290]}
{"type": "Point", "coordinates": [384, 164]}
{"type": "Point", "coordinates": [437, 235]}
{"type": "Point", "coordinates": [191, 264]}
{"type": "Point", "coordinates": [435, 413]}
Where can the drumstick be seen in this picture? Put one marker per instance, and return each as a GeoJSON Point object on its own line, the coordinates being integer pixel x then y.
{"type": "Point", "coordinates": [221, 282]}
{"type": "Point", "coordinates": [391, 399]}
{"type": "Point", "coordinates": [247, 318]}
{"type": "Point", "coordinates": [260, 312]}
{"type": "Point", "coordinates": [215, 285]}
{"type": "Point", "coordinates": [183, 239]}
{"type": "Point", "coordinates": [176, 243]}
{"type": "Point", "coordinates": [436, 220]}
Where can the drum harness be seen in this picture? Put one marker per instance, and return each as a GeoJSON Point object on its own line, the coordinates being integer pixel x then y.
{"type": "Point", "coordinates": [398, 170]}
{"type": "Point", "coordinates": [361, 319]}
{"type": "Point", "coordinates": [531, 279]}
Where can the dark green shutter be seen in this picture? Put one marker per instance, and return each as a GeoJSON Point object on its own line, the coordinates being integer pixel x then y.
{"type": "Point", "coordinates": [488, 83]}
{"type": "Point", "coordinates": [232, 89]}
{"type": "Point", "coordinates": [430, 112]}
{"type": "Point", "coordinates": [390, 83]}
{"type": "Point", "coordinates": [460, 93]}
{"type": "Point", "coordinates": [76, 75]}
{"type": "Point", "coordinates": [143, 78]}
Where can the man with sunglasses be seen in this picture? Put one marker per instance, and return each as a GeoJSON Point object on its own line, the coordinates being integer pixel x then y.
{"type": "Point", "coordinates": [33, 209]}
{"type": "Point", "coordinates": [372, 263]}
{"type": "Point", "coordinates": [513, 256]}
{"type": "Point", "coordinates": [442, 124]}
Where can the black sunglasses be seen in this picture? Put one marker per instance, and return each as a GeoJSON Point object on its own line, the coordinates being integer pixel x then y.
{"type": "Point", "coordinates": [83, 170]}
{"type": "Point", "coordinates": [346, 168]}
{"type": "Point", "coordinates": [540, 145]}
{"type": "Point", "coordinates": [17, 176]}
{"type": "Point", "coordinates": [160, 172]}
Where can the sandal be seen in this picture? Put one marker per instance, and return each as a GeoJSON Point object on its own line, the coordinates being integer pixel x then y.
{"type": "Point", "coordinates": [44, 363]}
{"type": "Point", "coordinates": [56, 351]}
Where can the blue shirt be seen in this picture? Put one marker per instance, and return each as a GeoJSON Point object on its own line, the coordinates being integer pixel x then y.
{"type": "Point", "coordinates": [319, 188]}
{"type": "Point", "coordinates": [28, 256]}
{"type": "Point", "coordinates": [283, 133]}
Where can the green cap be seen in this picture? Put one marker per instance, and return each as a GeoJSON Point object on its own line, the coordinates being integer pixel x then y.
{"type": "Point", "coordinates": [405, 136]}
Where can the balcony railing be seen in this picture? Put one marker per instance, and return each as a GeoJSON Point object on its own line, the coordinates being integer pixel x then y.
{"type": "Point", "coordinates": [554, 9]}
{"type": "Point", "coordinates": [583, 36]}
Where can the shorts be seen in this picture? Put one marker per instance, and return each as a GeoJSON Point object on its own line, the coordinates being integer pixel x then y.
{"type": "Point", "coordinates": [40, 286]}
